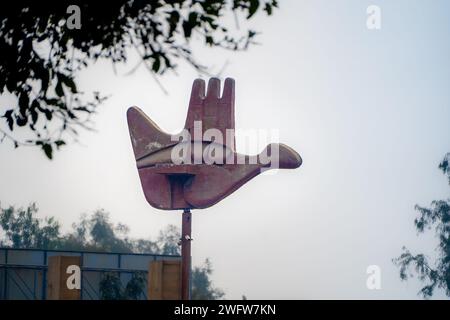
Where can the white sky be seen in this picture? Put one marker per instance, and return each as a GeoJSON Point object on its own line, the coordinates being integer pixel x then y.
{"type": "Point", "coordinates": [367, 110]}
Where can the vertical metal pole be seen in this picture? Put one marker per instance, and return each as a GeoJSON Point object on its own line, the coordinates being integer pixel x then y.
{"type": "Point", "coordinates": [186, 254]}
{"type": "Point", "coordinates": [5, 279]}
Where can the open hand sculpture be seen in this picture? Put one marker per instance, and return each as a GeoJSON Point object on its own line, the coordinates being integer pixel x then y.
{"type": "Point", "coordinates": [202, 168]}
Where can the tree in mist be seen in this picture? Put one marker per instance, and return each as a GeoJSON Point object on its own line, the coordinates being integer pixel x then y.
{"type": "Point", "coordinates": [21, 228]}
{"type": "Point", "coordinates": [111, 288]}
{"type": "Point", "coordinates": [435, 274]}
{"type": "Point", "coordinates": [43, 50]}
{"type": "Point", "coordinates": [202, 287]}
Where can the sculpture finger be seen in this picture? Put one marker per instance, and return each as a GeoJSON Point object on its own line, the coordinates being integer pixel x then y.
{"type": "Point", "coordinates": [197, 92]}
{"type": "Point", "coordinates": [228, 91]}
{"type": "Point", "coordinates": [213, 89]}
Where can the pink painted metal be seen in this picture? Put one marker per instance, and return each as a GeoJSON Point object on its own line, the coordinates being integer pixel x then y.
{"type": "Point", "coordinates": [198, 183]}
{"type": "Point", "coordinates": [186, 230]}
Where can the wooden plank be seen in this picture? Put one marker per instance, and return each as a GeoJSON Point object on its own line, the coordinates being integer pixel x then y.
{"type": "Point", "coordinates": [53, 276]}
{"type": "Point", "coordinates": [164, 281]}
{"type": "Point", "coordinates": [155, 281]}
{"type": "Point", "coordinates": [57, 278]}
{"type": "Point", "coordinates": [172, 280]}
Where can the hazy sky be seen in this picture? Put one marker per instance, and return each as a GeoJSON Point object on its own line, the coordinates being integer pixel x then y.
{"type": "Point", "coordinates": [368, 111]}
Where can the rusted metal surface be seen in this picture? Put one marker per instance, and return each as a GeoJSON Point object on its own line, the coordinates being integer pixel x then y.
{"type": "Point", "coordinates": [186, 254]}
{"type": "Point", "coordinates": [197, 183]}
{"type": "Point", "coordinates": [209, 171]}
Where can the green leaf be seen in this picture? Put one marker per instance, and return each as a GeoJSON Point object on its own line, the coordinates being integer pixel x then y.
{"type": "Point", "coordinates": [189, 24]}
{"type": "Point", "coordinates": [59, 143]}
{"type": "Point", "coordinates": [59, 89]}
{"type": "Point", "coordinates": [187, 29]}
{"type": "Point", "coordinates": [21, 121]}
{"type": "Point", "coordinates": [48, 150]}
{"type": "Point", "coordinates": [68, 82]}
{"type": "Point", "coordinates": [268, 8]}
{"type": "Point", "coordinates": [45, 80]}
{"type": "Point", "coordinates": [52, 101]}
{"type": "Point", "coordinates": [156, 64]}
{"type": "Point", "coordinates": [192, 19]}
{"type": "Point", "coordinates": [254, 5]}
{"type": "Point", "coordinates": [84, 109]}
{"type": "Point", "coordinates": [24, 101]}
{"type": "Point", "coordinates": [48, 114]}
{"type": "Point", "coordinates": [34, 116]}
{"type": "Point", "coordinates": [35, 104]}
{"type": "Point", "coordinates": [9, 119]}
{"type": "Point", "coordinates": [209, 40]}
{"type": "Point", "coordinates": [71, 115]}
{"type": "Point", "coordinates": [173, 19]}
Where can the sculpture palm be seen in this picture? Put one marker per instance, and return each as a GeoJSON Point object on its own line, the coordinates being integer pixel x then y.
{"type": "Point", "coordinates": [198, 182]}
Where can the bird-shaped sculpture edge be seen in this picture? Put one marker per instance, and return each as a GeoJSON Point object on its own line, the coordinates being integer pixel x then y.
{"type": "Point", "coordinates": [198, 183]}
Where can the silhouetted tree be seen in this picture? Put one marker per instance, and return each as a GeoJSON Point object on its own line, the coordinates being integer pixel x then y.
{"type": "Point", "coordinates": [435, 274]}
{"type": "Point", "coordinates": [110, 287]}
{"type": "Point", "coordinates": [23, 230]}
{"type": "Point", "coordinates": [202, 288]}
{"type": "Point", "coordinates": [168, 240]}
{"type": "Point", "coordinates": [41, 53]}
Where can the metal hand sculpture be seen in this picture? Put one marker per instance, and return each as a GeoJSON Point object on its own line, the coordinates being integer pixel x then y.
{"type": "Point", "coordinates": [208, 169]}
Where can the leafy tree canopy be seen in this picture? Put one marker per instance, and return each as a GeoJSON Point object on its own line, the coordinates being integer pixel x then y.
{"type": "Point", "coordinates": [437, 217]}
{"type": "Point", "coordinates": [41, 54]}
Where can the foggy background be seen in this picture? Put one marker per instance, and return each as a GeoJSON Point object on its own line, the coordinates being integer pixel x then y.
{"type": "Point", "coordinates": [367, 110]}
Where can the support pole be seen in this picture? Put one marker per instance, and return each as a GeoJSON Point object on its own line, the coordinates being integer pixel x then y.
{"type": "Point", "coordinates": [186, 255]}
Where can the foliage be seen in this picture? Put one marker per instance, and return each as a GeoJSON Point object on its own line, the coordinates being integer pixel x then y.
{"type": "Point", "coordinates": [110, 287]}
{"type": "Point", "coordinates": [41, 54]}
{"type": "Point", "coordinates": [93, 233]}
{"type": "Point", "coordinates": [134, 287]}
{"type": "Point", "coordinates": [169, 240]}
{"type": "Point", "coordinates": [24, 230]}
{"type": "Point", "coordinates": [20, 228]}
{"type": "Point", "coordinates": [98, 233]}
{"type": "Point", "coordinates": [202, 288]}
{"type": "Point", "coordinates": [437, 217]}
